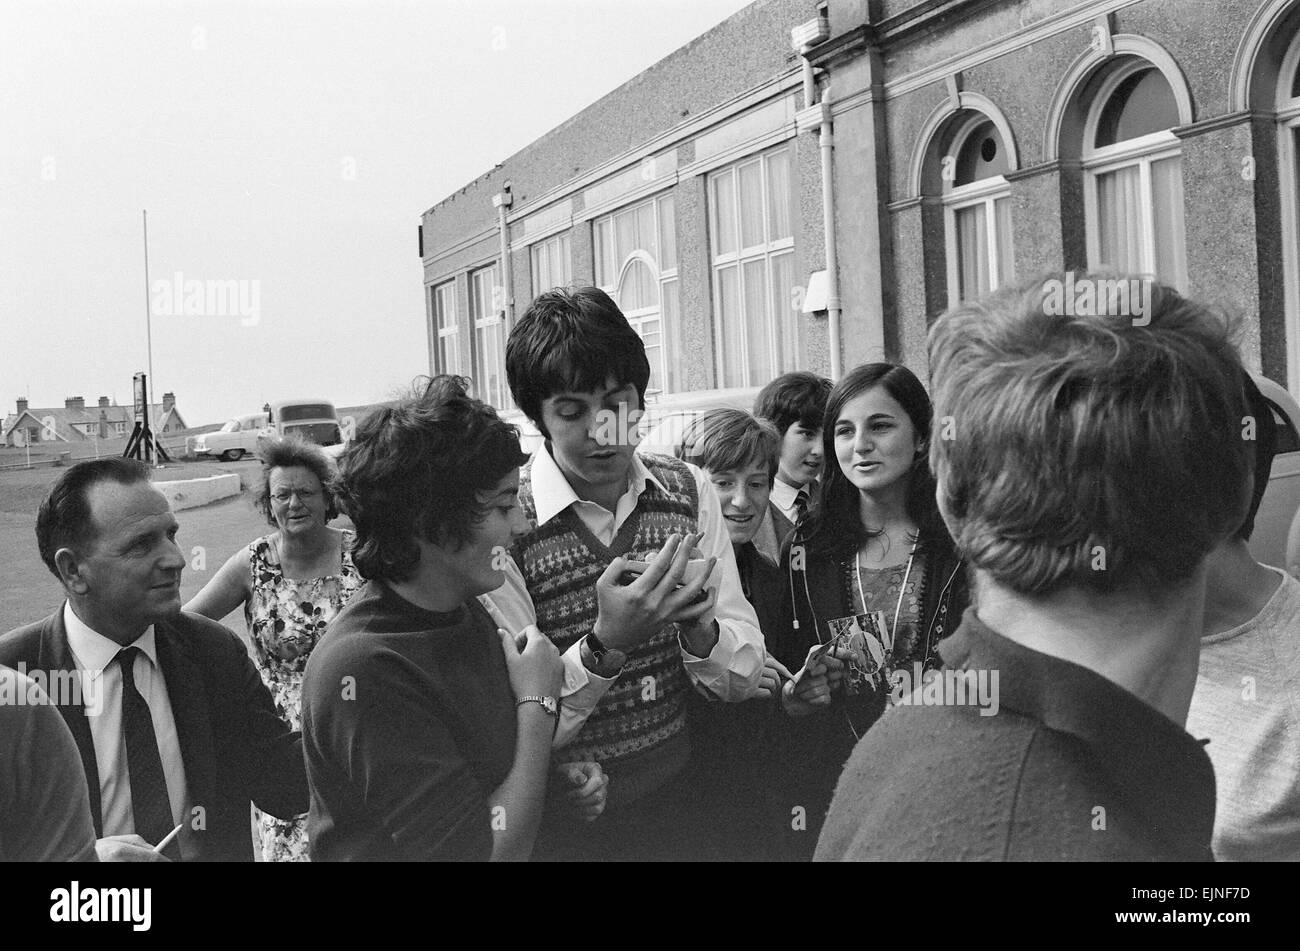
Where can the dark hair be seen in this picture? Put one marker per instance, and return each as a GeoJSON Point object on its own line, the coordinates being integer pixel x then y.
{"type": "Point", "coordinates": [1261, 410]}
{"type": "Point", "coordinates": [414, 470]}
{"type": "Point", "coordinates": [572, 341]}
{"type": "Point", "coordinates": [798, 397]}
{"type": "Point", "coordinates": [723, 440]}
{"type": "Point", "coordinates": [64, 519]}
{"type": "Point", "coordinates": [285, 453]}
{"type": "Point", "coordinates": [833, 524]}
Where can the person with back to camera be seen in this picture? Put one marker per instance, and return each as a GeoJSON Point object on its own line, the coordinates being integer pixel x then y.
{"type": "Point", "coordinates": [1094, 459]}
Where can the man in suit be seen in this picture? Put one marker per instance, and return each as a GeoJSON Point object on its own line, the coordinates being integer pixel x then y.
{"type": "Point", "coordinates": [172, 721]}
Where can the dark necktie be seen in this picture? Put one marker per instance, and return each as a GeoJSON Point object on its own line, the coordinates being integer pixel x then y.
{"type": "Point", "coordinates": [800, 505]}
{"type": "Point", "coordinates": [149, 802]}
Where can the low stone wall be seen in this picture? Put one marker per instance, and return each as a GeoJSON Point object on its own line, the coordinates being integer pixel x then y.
{"type": "Point", "coordinates": [191, 493]}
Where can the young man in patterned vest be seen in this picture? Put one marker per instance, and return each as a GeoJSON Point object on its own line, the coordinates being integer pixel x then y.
{"type": "Point", "coordinates": [634, 645]}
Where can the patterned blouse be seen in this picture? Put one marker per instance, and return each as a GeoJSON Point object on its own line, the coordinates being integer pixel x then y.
{"type": "Point", "coordinates": [286, 618]}
{"type": "Point", "coordinates": [881, 587]}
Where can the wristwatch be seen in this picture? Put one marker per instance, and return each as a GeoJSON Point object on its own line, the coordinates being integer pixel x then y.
{"type": "Point", "coordinates": [603, 655]}
{"type": "Point", "coordinates": [549, 704]}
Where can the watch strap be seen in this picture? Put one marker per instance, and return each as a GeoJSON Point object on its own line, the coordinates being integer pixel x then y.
{"type": "Point", "coordinates": [549, 704]}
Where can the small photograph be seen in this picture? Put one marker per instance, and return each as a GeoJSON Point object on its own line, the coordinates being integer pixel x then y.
{"type": "Point", "coordinates": [866, 638]}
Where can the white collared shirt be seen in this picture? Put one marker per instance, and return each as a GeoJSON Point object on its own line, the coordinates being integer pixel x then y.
{"type": "Point", "coordinates": [730, 672]}
{"type": "Point", "coordinates": [783, 497]}
{"type": "Point", "coordinates": [101, 681]}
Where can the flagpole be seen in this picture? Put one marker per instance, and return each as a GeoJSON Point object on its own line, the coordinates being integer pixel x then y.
{"type": "Point", "coordinates": [148, 330]}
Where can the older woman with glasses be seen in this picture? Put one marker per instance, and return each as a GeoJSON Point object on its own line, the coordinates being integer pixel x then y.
{"type": "Point", "coordinates": [291, 583]}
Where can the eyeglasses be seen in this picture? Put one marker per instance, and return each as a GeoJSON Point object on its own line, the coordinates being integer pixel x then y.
{"type": "Point", "coordinates": [305, 496]}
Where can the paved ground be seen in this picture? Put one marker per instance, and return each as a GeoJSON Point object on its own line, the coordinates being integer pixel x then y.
{"type": "Point", "coordinates": [208, 536]}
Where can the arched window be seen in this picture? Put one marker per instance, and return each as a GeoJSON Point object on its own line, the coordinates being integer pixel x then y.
{"type": "Point", "coordinates": [636, 263]}
{"type": "Point", "coordinates": [1133, 182]}
{"type": "Point", "coordinates": [977, 210]}
{"type": "Point", "coordinates": [638, 298]}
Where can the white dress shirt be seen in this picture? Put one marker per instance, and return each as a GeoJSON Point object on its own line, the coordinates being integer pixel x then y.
{"type": "Point", "coordinates": [733, 668]}
{"type": "Point", "coordinates": [101, 681]}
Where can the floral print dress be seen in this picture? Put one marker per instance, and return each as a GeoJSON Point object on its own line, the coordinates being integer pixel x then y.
{"type": "Point", "coordinates": [286, 619]}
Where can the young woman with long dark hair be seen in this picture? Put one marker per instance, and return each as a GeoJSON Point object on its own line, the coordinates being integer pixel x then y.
{"type": "Point", "coordinates": [873, 580]}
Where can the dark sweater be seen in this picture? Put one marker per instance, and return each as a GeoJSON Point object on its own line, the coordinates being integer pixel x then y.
{"type": "Point", "coordinates": [408, 726]}
{"type": "Point", "coordinates": [812, 750]}
{"type": "Point", "coordinates": [1071, 768]}
{"type": "Point", "coordinates": [731, 751]}
{"type": "Point", "coordinates": [44, 805]}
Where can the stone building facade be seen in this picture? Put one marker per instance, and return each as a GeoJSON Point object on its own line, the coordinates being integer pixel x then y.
{"type": "Point", "coordinates": [973, 142]}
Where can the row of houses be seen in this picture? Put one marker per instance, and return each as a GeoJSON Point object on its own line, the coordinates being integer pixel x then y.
{"type": "Point", "coordinates": [809, 185]}
{"type": "Point", "coordinates": [75, 422]}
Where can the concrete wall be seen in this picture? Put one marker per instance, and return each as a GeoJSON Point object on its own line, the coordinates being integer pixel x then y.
{"type": "Point", "coordinates": [191, 493]}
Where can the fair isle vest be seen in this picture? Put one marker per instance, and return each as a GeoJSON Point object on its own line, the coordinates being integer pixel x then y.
{"type": "Point", "coordinates": [639, 726]}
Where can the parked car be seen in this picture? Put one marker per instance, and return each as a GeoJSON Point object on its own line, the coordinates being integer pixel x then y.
{"type": "Point", "coordinates": [236, 439]}
{"type": "Point", "coordinates": [311, 419]}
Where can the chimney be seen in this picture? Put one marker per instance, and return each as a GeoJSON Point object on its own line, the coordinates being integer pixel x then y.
{"type": "Point", "coordinates": [22, 404]}
{"type": "Point", "coordinates": [74, 402]}
{"type": "Point", "coordinates": [103, 418]}
{"type": "Point", "coordinates": [103, 401]}
{"type": "Point", "coordinates": [169, 400]}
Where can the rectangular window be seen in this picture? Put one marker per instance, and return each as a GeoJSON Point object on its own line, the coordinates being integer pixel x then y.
{"type": "Point", "coordinates": [1134, 193]}
{"type": "Point", "coordinates": [979, 236]}
{"type": "Point", "coordinates": [446, 353]}
{"type": "Point", "coordinates": [486, 305]}
{"type": "Point", "coordinates": [636, 264]}
{"type": "Point", "coordinates": [552, 263]}
{"type": "Point", "coordinates": [751, 237]}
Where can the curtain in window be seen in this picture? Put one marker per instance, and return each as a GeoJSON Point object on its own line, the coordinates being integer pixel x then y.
{"type": "Point", "coordinates": [1006, 242]}
{"type": "Point", "coordinates": [1119, 219]}
{"type": "Point", "coordinates": [779, 199]}
{"type": "Point", "coordinates": [1167, 215]}
{"type": "Point", "coordinates": [724, 210]}
{"type": "Point", "coordinates": [972, 251]}
{"type": "Point", "coordinates": [732, 330]}
{"type": "Point", "coordinates": [674, 359]}
{"type": "Point", "coordinates": [751, 205]}
{"type": "Point", "coordinates": [784, 317]}
{"type": "Point", "coordinates": [754, 274]}
{"type": "Point", "coordinates": [667, 234]}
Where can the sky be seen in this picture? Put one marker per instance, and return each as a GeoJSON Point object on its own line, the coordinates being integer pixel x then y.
{"type": "Point", "coordinates": [284, 151]}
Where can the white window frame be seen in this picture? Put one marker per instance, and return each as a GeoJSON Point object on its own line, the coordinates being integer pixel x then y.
{"type": "Point", "coordinates": [1141, 152]}
{"type": "Point", "coordinates": [488, 312]}
{"type": "Point", "coordinates": [1288, 128]}
{"type": "Point", "coordinates": [556, 248]}
{"type": "Point", "coordinates": [766, 251]}
{"type": "Point", "coordinates": [986, 192]}
{"type": "Point", "coordinates": [663, 276]}
{"type": "Point", "coordinates": [447, 332]}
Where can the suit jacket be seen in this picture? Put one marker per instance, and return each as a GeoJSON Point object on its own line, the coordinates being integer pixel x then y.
{"type": "Point", "coordinates": [235, 748]}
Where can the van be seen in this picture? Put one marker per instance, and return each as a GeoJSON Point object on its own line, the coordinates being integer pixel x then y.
{"type": "Point", "coordinates": [313, 420]}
